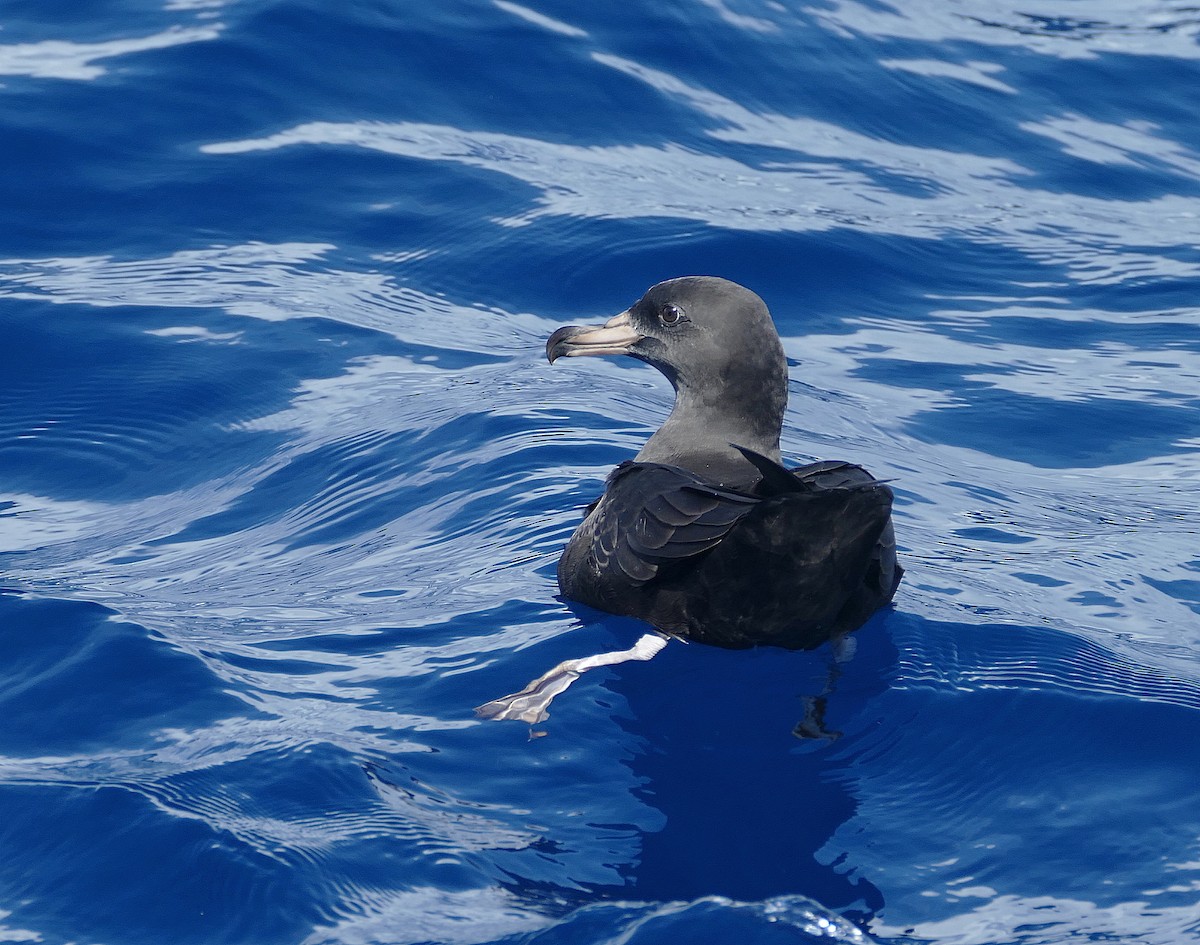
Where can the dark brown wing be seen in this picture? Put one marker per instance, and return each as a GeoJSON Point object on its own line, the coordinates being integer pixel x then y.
{"type": "Point", "coordinates": [651, 514]}
{"type": "Point", "coordinates": [809, 556]}
{"type": "Point", "coordinates": [805, 566]}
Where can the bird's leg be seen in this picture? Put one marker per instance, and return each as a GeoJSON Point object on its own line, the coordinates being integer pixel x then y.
{"type": "Point", "coordinates": [813, 724]}
{"type": "Point", "coordinates": [531, 703]}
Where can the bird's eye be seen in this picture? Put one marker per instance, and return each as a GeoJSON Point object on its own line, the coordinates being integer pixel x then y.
{"type": "Point", "coordinates": [671, 314]}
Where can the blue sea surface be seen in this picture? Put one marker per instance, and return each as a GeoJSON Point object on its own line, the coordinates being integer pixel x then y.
{"type": "Point", "coordinates": [284, 474]}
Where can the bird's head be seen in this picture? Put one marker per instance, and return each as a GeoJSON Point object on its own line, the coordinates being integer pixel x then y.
{"type": "Point", "coordinates": [702, 332]}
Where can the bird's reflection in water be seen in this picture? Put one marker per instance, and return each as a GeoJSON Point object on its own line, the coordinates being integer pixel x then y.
{"type": "Point", "coordinates": [749, 807]}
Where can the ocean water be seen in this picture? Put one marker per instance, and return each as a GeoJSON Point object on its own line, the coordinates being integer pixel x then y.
{"type": "Point", "coordinates": [284, 474]}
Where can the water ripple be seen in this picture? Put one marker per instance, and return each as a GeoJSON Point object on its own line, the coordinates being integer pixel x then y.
{"type": "Point", "coordinates": [285, 473]}
{"type": "Point", "coordinates": [63, 59]}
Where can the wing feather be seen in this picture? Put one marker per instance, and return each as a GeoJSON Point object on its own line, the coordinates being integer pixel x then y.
{"type": "Point", "coordinates": [652, 514]}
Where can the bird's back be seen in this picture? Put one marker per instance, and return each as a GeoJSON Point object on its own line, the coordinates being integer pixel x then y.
{"type": "Point", "coordinates": [809, 556]}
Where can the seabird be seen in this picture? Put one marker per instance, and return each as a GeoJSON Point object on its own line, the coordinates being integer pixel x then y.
{"type": "Point", "coordinates": [705, 535]}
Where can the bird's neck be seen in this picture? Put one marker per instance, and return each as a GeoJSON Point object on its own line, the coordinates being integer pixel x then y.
{"type": "Point", "coordinates": [701, 432]}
